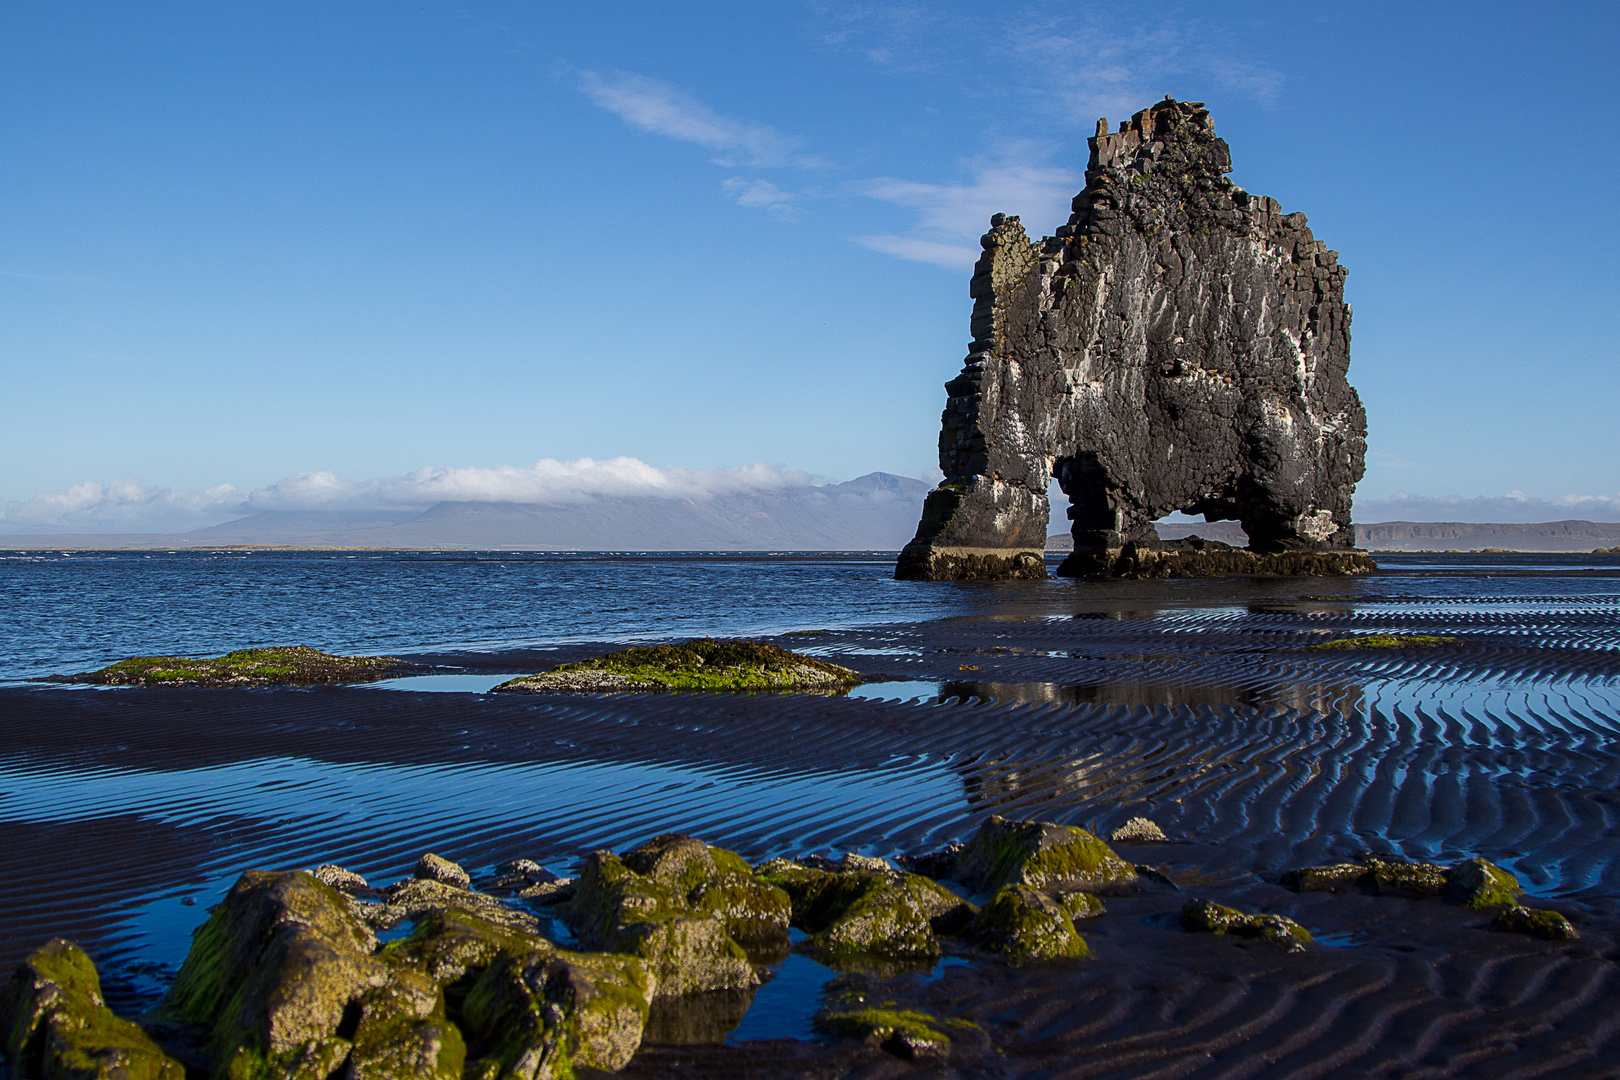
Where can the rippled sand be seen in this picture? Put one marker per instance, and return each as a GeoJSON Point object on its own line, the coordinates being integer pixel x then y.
{"type": "Point", "coordinates": [1196, 704]}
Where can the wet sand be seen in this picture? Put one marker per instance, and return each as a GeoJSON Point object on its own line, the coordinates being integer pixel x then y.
{"type": "Point", "coordinates": [1198, 706]}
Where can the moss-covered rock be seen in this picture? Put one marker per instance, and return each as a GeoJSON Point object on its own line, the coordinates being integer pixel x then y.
{"type": "Point", "coordinates": [911, 1034]}
{"type": "Point", "coordinates": [1482, 885]}
{"type": "Point", "coordinates": [851, 914]}
{"type": "Point", "coordinates": [1201, 915]}
{"type": "Point", "coordinates": [1042, 856]}
{"type": "Point", "coordinates": [1080, 905]}
{"type": "Point", "coordinates": [281, 665]}
{"type": "Point", "coordinates": [271, 975]}
{"type": "Point", "coordinates": [699, 664]}
{"type": "Point", "coordinates": [54, 1023]}
{"type": "Point", "coordinates": [674, 861]}
{"type": "Point", "coordinates": [1026, 924]}
{"type": "Point", "coordinates": [756, 914]}
{"type": "Point", "coordinates": [448, 944]}
{"type": "Point", "coordinates": [1407, 878]}
{"type": "Point", "coordinates": [541, 1014]}
{"type": "Point", "coordinates": [1547, 925]}
{"type": "Point", "coordinates": [1384, 641]}
{"type": "Point", "coordinates": [402, 1031]}
{"type": "Point", "coordinates": [1332, 877]}
{"type": "Point", "coordinates": [414, 898]}
{"type": "Point", "coordinates": [618, 910]}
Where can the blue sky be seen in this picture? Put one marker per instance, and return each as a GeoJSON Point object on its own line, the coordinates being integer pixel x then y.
{"type": "Point", "coordinates": [342, 254]}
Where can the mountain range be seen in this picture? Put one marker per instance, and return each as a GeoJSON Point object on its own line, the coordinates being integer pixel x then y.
{"type": "Point", "coordinates": [876, 512]}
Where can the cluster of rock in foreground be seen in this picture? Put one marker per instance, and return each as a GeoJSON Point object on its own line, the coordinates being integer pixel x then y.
{"type": "Point", "coordinates": [287, 978]}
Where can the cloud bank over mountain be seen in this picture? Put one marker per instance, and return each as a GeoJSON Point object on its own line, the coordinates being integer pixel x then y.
{"type": "Point", "coordinates": [133, 505]}
{"type": "Point", "coordinates": [1514, 506]}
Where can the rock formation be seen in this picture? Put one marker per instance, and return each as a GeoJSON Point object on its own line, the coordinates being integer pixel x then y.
{"type": "Point", "coordinates": [1179, 345]}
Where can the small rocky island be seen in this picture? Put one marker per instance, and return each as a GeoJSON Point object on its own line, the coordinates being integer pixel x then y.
{"type": "Point", "coordinates": [279, 665]}
{"type": "Point", "coordinates": [699, 664]}
{"type": "Point", "coordinates": [1179, 345]}
{"type": "Point", "coordinates": [288, 977]}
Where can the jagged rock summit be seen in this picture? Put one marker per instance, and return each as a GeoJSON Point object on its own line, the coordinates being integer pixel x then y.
{"type": "Point", "coordinates": [1181, 345]}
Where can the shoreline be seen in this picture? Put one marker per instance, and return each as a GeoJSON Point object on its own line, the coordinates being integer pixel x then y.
{"type": "Point", "coordinates": [1200, 708]}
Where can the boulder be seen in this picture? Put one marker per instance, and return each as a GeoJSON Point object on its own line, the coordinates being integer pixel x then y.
{"type": "Point", "coordinates": [543, 1013]}
{"type": "Point", "coordinates": [1333, 877]}
{"type": "Point", "coordinates": [1026, 924]}
{"type": "Point", "coordinates": [755, 914]}
{"type": "Point", "coordinates": [431, 867]}
{"type": "Point", "coordinates": [619, 910]}
{"type": "Point", "coordinates": [1201, 915]}
{"type": "Point", "coordinates": [54, 1023]}
{"type": "Point", "coordinates": [1548, 925]}
{"type": "Point", "coordinates": [1139, 830]}
{"type": "Point", "coordinates": [272, 975]}
{"type": "Point", "coordinates": [417, 897]}
{"type": "Point", "coordinates": [1407, 878]}
{"type": "Point", "coordinates": [1482, 885]}
{"type": "Point", "coordinates": [344, 881]}
{"type": "Point", "coordinates": [673, 860]}
{"type": "Point", "coordinates": [1041, 855]}
{"type": "Point", "coordinates": [869, 913]}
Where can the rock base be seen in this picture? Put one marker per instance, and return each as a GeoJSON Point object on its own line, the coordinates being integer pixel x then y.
{"type": "Point", "coordinates": [1211, 560]}
{"type": "Point", "coordinates": [923, 562]}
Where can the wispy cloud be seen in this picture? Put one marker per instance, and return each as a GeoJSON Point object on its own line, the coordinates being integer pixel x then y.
{"type": "Point", "coordinates": [951, 217]}
{"type": "Point", "coordinates": [762, 194]}
{"type": "Point", "coordinates": [659, 108]}
{"type": "Point", "coordinates": [136, 506]}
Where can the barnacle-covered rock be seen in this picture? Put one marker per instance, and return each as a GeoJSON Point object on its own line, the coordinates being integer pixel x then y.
{"type": "Point", "coordinates": [1548, 925]}
{"type": "Point", "coordinates": [858, 913]}
{"type": "Point", "coordinates": [1211, 918]}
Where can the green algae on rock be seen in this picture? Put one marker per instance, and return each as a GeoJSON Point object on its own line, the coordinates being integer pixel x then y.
{"type": "Point", "coordinates": [1547, 925]}
{"type": "Point", "coordinates": [281, 665]}
{"type": "Point", "coordinates": [1384, 641]}
{"type": "Point", "coordinates": [1041, 855]}
{"type": "Point", "coordinates": [857, 914]}
{"type": "Point", "coordinates": [699, 664]}
{"type": "Point", "coordinates": [54, 1023]}
{"type": "Point", "coordinates": [1201, 915]}
{"type": "Point", "coordinates": [1479, 883]}
{"type": "Point", "coordinates": [1482, 885]}
{"type": "Point", "coordinates": [1026, 924]}
{"type": "Point", "coordinates": [678, 915]}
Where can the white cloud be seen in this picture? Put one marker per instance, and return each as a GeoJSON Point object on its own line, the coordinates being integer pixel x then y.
{"type": "Point", "coordinates": [951, 217]}
{"type": "Point", "coordinates": [132, 505]}
{"type": "Point", "coordinates": [761, 194]}
{"type": "Point", "coordinates": [135, 506]}
{"type": "Point", "coordinates": [659, 108]}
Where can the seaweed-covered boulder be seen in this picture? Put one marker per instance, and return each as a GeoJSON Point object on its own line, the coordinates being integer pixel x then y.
{"type": "Point", "coordinates": [1201, 915]}
{"type": "Point", "coordinates": [542, 1013]}
{"type": "Point", "coordinates": [618, 910]}
{"type": "Point", "coordinates": [699, 664]}
{"type": "Point", "coordinates": [54, 1023]}
{"type": "Point", "coordinates": [1547, 925]}
{"type": "Point", "coordinates": [271, 975]}
{"type": "Point", "coordinates": [1026, 924]}
{"type": "Point", "coordinates": [1482, 885]}
{"type": "Point", "coordinates": [756, 914]}
{"type": "Point", "coordinates": [1041, 855]}
{"type": "Point", "coordinates": [869, 913]}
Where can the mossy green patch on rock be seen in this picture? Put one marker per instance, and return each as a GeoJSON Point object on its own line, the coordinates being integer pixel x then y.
{"type": "Point", "coordinates": [272, 972]}
{"type": "Point", "coordinates": [910, 1033]}
{"type": "Point", "coordinates": [282, 665]}
{"type": "Point", "coordinates": [1332, 877]}
{"type": "Point", "coordinates": [699, 664]}
{"type": "Point", "coordinates": [1408, 878]}
{"type": "Point", "coordinates": [1201, 915]}
{"type": "Point", "coordinates": [755, 913]}
{"type": "Point", "coordinates": [1041, 855]}
{"type": "Point", "coordinates": [858, 913]}
{"type": "Point", "coordinates": [1384, 641]}
{"type": "Point", "coordinates": [686, 951]}
{"type": "Point", "coordinates": [1026, 924]}
{"type": "Point", "coordinates": [54, 1023]}
{"type": "Point", "coordinates": [1483, 886]}
{"type": "Point", "coordinates": [1547, 925]}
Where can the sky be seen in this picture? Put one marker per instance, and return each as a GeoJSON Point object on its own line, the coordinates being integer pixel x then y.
{"type": "Point", "coordinates": [333, 255]}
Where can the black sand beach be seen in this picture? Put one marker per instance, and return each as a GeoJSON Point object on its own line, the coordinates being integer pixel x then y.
{"type": "Point", "coordinates": [1198, 705]}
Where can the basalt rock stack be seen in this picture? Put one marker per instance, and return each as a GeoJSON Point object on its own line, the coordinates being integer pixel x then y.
{"type": "Point", "coordinates": [1179, 345]}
